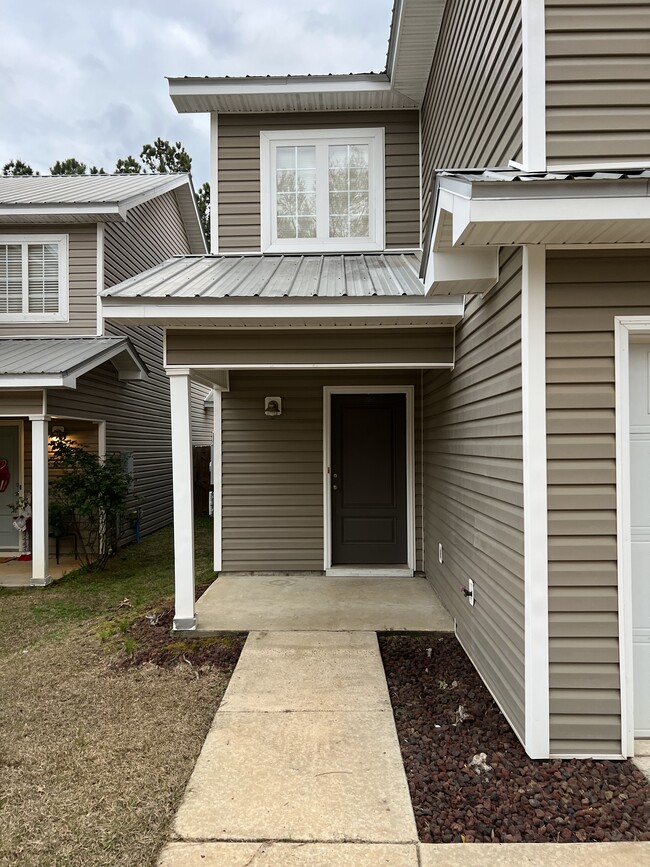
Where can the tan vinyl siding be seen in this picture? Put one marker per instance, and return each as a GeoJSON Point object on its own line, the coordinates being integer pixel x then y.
{"type": "Point", "coordinates": [473, 501]}
{"type": "Point", "coordinates": [137, 420]}
{"type": "Point", "coordinates": [153, 232]}
{"type": "Point", "coordinates": [82, 282]}
{"type": "Point", "coordinates": [585, 291]}
{"type": "Point", "coordinates": [202, 416]}
{"type": "Point", "coordinates": [273, 467]}
{"type": "Point", "coordinates": [17, 403]}
{"type": "Point", "coordinates": [472, 109]}
{"type": "Point", "coordinates": [193, 348]}
{"type": "Point", "coordinates": [239, 171]}
{"type": "Point", "coordinates": [597, 81]}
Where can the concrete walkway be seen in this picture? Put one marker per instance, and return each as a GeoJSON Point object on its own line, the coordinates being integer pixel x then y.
{"type": "Point", "coordinates": [302, 768]}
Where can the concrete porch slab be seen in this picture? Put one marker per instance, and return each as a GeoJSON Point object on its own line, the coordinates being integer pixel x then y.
{"type": "Point", "coordinates": [288, 855]}
{"type": "Point", "coordinates": [327, 777]}
{"type": "Point", "coordinates": [18, 573]}
{"type": "Point", "coordinates": [246, 603]}
{"type": "Point", "coordinates": [307, 671]}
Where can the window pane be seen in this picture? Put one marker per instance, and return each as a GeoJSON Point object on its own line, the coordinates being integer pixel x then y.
{"type": "Point", "coordinates": [11, 280]}
{"type": "Point", "coordinates": [43, 277]}
{"type": "Point", "coordinates": [349, 196]}
{"type": "Point", "coordinates": [295, 187]}
{"type": "Point", "coordinates": [306, 227]}
{"type": "Point", "coordinates": [286, 227]}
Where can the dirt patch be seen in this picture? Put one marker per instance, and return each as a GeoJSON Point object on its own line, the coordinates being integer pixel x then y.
{"type": "Point", "coordinates": [469, 777]}
{"type": "Point", "coordinates": [148, 639]}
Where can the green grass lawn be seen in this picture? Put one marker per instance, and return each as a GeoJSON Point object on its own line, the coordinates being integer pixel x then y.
{"type": "Point", "coordinates": [141, 573]}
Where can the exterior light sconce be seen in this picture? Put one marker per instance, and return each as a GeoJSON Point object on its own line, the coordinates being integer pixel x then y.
{"type": "Point", "coordinates": [273, 406]}
{"type": "Point", "coordinates": [58, 433]}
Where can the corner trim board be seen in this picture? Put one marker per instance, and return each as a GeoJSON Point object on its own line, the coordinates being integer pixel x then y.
{"type": "Point", "coordinates": [534, 84]}
{"type": "Point", "coordinates": [533, 375]}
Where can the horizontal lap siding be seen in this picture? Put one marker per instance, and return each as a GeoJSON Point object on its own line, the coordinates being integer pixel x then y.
{"type": "Point", "coordinates": [137, 413]}
{"type": "Point", "coordinates": [584, 294]}
{"type": "Point", "coordinates": [82, 282]}
{"type": "Point", "coordinates": [597, 81]}
{"type": "Point", "coordinates": [473, 500]}
{"type": "Point", "coordinates": [273, 468]}
{"type": "Point", "coordinates": [472, 109]}
{"type": "Point", "coordinates": [239, 172]}
{"type": "Point", "coordinates": [190, 347]}
{"type": "Point", "coordinates": [17, 403]}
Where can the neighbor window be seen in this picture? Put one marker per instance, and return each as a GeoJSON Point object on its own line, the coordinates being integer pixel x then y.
{"type": "Point", "coordinates": [33, 278]}
{"type": "Point", "coordinates": [322, 190]}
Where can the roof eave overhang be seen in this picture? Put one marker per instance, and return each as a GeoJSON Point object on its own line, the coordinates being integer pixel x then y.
{"type": "Point", "coordinates": [284, 313]}
{"type": "Point", "coordinates": [472, 220]}
{"type": "Point", "coordinates": [295, 93]}
{"type": "Point", "coordinates": [121, 354]}
{"type": "Point", "coordinates": [77, 212]}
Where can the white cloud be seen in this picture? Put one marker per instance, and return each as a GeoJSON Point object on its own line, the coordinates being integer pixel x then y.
{"type": "Point", "coordinates": [88, 79]}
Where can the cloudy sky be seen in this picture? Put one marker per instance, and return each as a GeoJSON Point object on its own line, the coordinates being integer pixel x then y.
{"type": "Point", "coordinates": [86, 78]}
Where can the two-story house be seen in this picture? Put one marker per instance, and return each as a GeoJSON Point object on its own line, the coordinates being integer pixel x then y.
{"type": "Point", "coordinates": [427, 319]}
{"type": "Point", "coordinates": [63, 369]}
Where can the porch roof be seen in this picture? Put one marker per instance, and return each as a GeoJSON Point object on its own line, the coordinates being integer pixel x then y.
{"type": "Point", "coordinates": [42, 362]}
{"type": "Point", "coordinates": [265, 290]}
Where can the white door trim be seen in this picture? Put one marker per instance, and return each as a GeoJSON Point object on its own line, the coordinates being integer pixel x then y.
{"type": "Point", "coordinates": [19, 423]}
{"type": "Point", "coordinates": [409, 391]}
{"type": "Point", "coordinates": [624, 328]}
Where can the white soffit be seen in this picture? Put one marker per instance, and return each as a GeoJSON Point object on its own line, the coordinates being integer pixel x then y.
{"type": "Point", "coordinates": [290, 93]}
{"type": "Point", "coordinates": [414, 35]}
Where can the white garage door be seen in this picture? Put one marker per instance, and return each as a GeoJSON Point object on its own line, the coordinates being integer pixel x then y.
{"type": "Point", "coordinates": [640, 514]}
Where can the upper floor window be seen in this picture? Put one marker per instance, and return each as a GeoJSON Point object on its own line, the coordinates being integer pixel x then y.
{"type": "Point", "coordinates": [322, 190]}
{"type": "Point", "coordinates": [33, 278]}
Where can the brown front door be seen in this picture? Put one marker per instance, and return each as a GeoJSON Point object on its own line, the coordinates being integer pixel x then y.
{"type": "Point", "coordinates": [368, 479]}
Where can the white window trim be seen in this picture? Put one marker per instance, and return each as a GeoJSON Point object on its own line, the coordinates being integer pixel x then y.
{"type": "Point", "coordinates": [271, 139]}
{"type": "Point", "coordinates": [62, 315]}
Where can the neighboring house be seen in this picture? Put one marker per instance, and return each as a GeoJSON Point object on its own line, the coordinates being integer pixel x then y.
{"type": "Point", "coordinates": [62, 368]}
{"type": "Point", "coordinates": [443, 273]}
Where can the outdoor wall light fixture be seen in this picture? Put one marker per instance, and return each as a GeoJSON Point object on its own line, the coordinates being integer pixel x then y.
{"type": "Point", "coordinates": [57, 433]}
{"type": "Point", "coordinates": [273, 406]}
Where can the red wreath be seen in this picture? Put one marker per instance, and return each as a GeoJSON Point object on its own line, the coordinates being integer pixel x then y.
{"type": "Point", "coordinates": [4, 475]}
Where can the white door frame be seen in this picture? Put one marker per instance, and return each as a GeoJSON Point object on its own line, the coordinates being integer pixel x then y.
{"type": "Point", "coordinates": [625, 327]}
{"type": "Point", "coordinates": [19, 423]}
{"type": "Point", "coordinates": [409, 391]}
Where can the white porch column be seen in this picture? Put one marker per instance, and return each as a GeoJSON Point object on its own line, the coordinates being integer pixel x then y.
{"type": "Point", "coordinates": [40, 524]}
{"type": "Point", "coordinates": [179, 382]}
{"type": "Point", "coordinates": [217, 481]}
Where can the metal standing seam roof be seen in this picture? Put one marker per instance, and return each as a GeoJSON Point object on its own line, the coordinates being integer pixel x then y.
{"type": "Point", "coordinates": [20, 356]}
{"type": "Point", "coordinates": [498, 175]}
{"type": "Point", "coordinates": [81, 189]}
{"type": "Point", "coordinates": [276, 276]}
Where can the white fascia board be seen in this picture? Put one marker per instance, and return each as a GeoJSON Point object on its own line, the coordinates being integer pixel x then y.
{"type": "Point", "coordinates": [261, 86]}
{"type": "Point", "coordinates": [157, 308]}
{"type": "Point", "coordinates": [166, 185]}
{"type": "Point", "coordinates": [37, 380]}
{"type": "Point", "coordinates": [78, 209]}
{"type": "Point", "coordinates": [558, 209]}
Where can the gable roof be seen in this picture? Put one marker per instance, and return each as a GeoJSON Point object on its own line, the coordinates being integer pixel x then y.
{"type": "Point", "coordinates": [59, 361]}
{"type": "Point", "coordinates": [413, 36]}
{"type": "Point", "coordinates": [88, 198]}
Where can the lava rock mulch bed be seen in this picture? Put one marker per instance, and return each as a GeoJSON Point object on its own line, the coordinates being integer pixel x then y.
{"type": "Point", "coordinates": [446, 719]}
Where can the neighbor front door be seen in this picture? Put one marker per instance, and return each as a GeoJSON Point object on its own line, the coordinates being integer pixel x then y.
{"type": "Point", "coordinates": [368, 479]}
{"type": "Point", "coordinates": [9, 482]}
